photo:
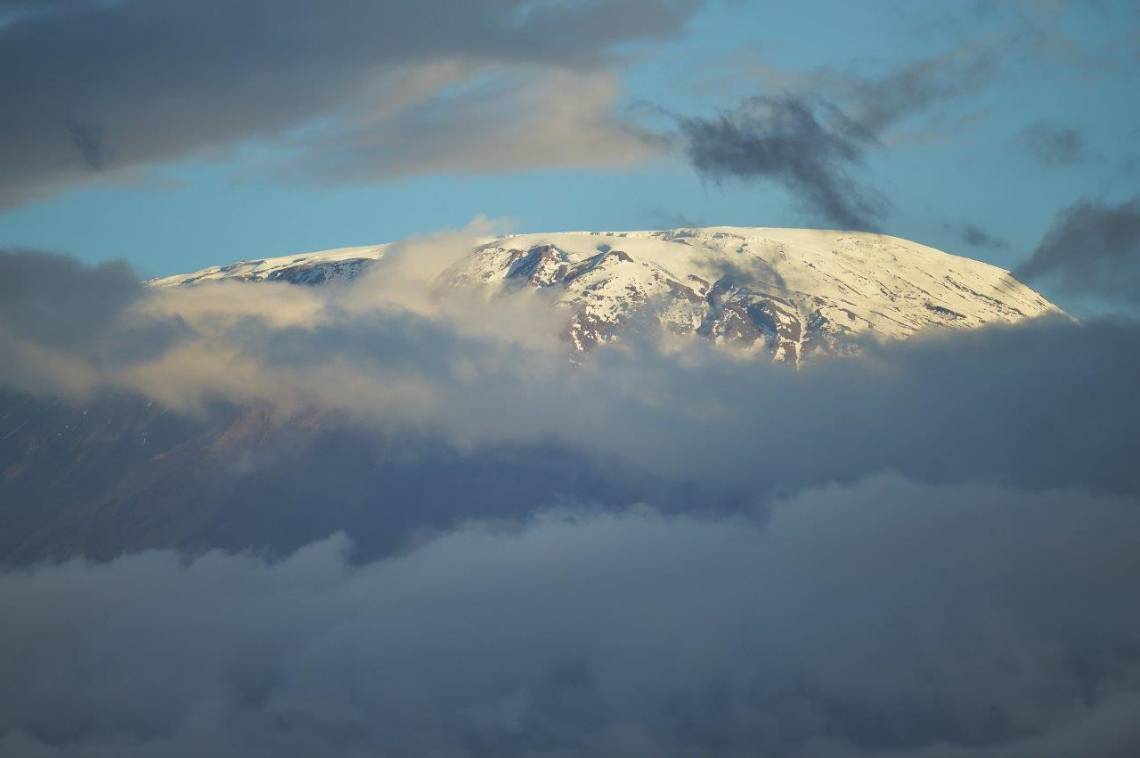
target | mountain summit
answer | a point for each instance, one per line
(785, 293)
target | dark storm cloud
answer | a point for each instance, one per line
(882, 618)
(1091, 252)
(1052, 144)
(114, 85)
(808, 147)
(975, 236)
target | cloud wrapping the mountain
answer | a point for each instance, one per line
(1041, 404)
(96, 89)
(882, 618)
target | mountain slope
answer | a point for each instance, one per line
(781, 292)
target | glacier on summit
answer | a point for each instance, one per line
(783, 293)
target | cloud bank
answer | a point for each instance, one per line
(886, 618)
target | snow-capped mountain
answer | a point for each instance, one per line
(781, 292)
(123, 471)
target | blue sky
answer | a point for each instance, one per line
(962, 160)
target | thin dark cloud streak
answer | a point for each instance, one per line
(814, 138)
(977, 237)
(90, 144)
(1052, 144)
(784, 139)
(920, 86)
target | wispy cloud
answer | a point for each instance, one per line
(789, 141)
(1052, 144)
(547, 118)
(814, 137)
(975, 236)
